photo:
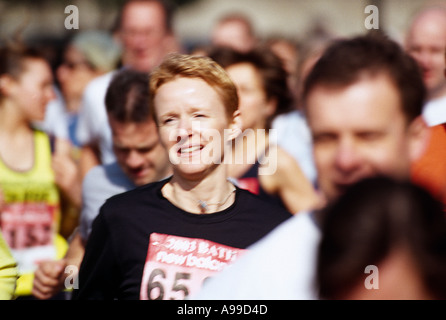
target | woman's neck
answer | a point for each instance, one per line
(211, 194)
(16, 139)
(11, 120)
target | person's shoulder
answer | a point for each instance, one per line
(96, 88)
(253, 202)
(284, 158)
(134, 196)
(110, 173)
(289, 119)
(100, 81)
(93, 97)
(96, 175)
(95, 171)
(434, 111)
(117, 208)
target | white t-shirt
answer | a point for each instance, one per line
(100, 183)
(294, 136)
(434, 112)
(280, 266)
(93, 126)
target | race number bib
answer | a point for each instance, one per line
(28, 230)
(177, 266)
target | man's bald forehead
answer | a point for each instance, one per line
(429, 15)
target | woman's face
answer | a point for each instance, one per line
(192, 122)
(254, 105)
(74, 73)
(33, 89)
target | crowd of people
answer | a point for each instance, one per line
(156, 172)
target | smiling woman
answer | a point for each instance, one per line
(189, 116)
(164, 239)
(195, 105)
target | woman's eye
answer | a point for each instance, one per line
(167, 121)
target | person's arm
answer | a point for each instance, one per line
(50, 276)
(291, 184)
(89, 158)
(66, 170)
(8, 271)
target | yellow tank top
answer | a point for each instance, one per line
(30, 217)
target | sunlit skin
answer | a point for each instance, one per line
(139, 151)
(283, 175)
(195, 129)
(24, 100)
(234, 34)
(32, 90)
(426, 42)
(189, 111)
(254, 104)
(143, 35)
(375, 137)
(73, 75)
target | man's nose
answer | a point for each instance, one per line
(134, 159)
(424, 59)
(347, 156)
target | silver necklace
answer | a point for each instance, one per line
(204, 206)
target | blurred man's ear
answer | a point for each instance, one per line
(419, 138)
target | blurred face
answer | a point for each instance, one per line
(139, 151)
(192, 122)
(33, 89)
(233, 34)
(358, 131)
(427, 43)
(253, 103)
(289, 55)
(74, 73)
(143, 35)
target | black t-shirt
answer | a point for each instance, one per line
(116, 251)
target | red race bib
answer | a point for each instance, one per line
(176, 267)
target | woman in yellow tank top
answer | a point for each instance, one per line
(29, 219)
(8, 271)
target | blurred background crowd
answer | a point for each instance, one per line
(194, 19)
(296, 30)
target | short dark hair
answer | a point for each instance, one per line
(13, 57)
(347, 60)
(271, 69)
(127, 97)
(375, 216)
